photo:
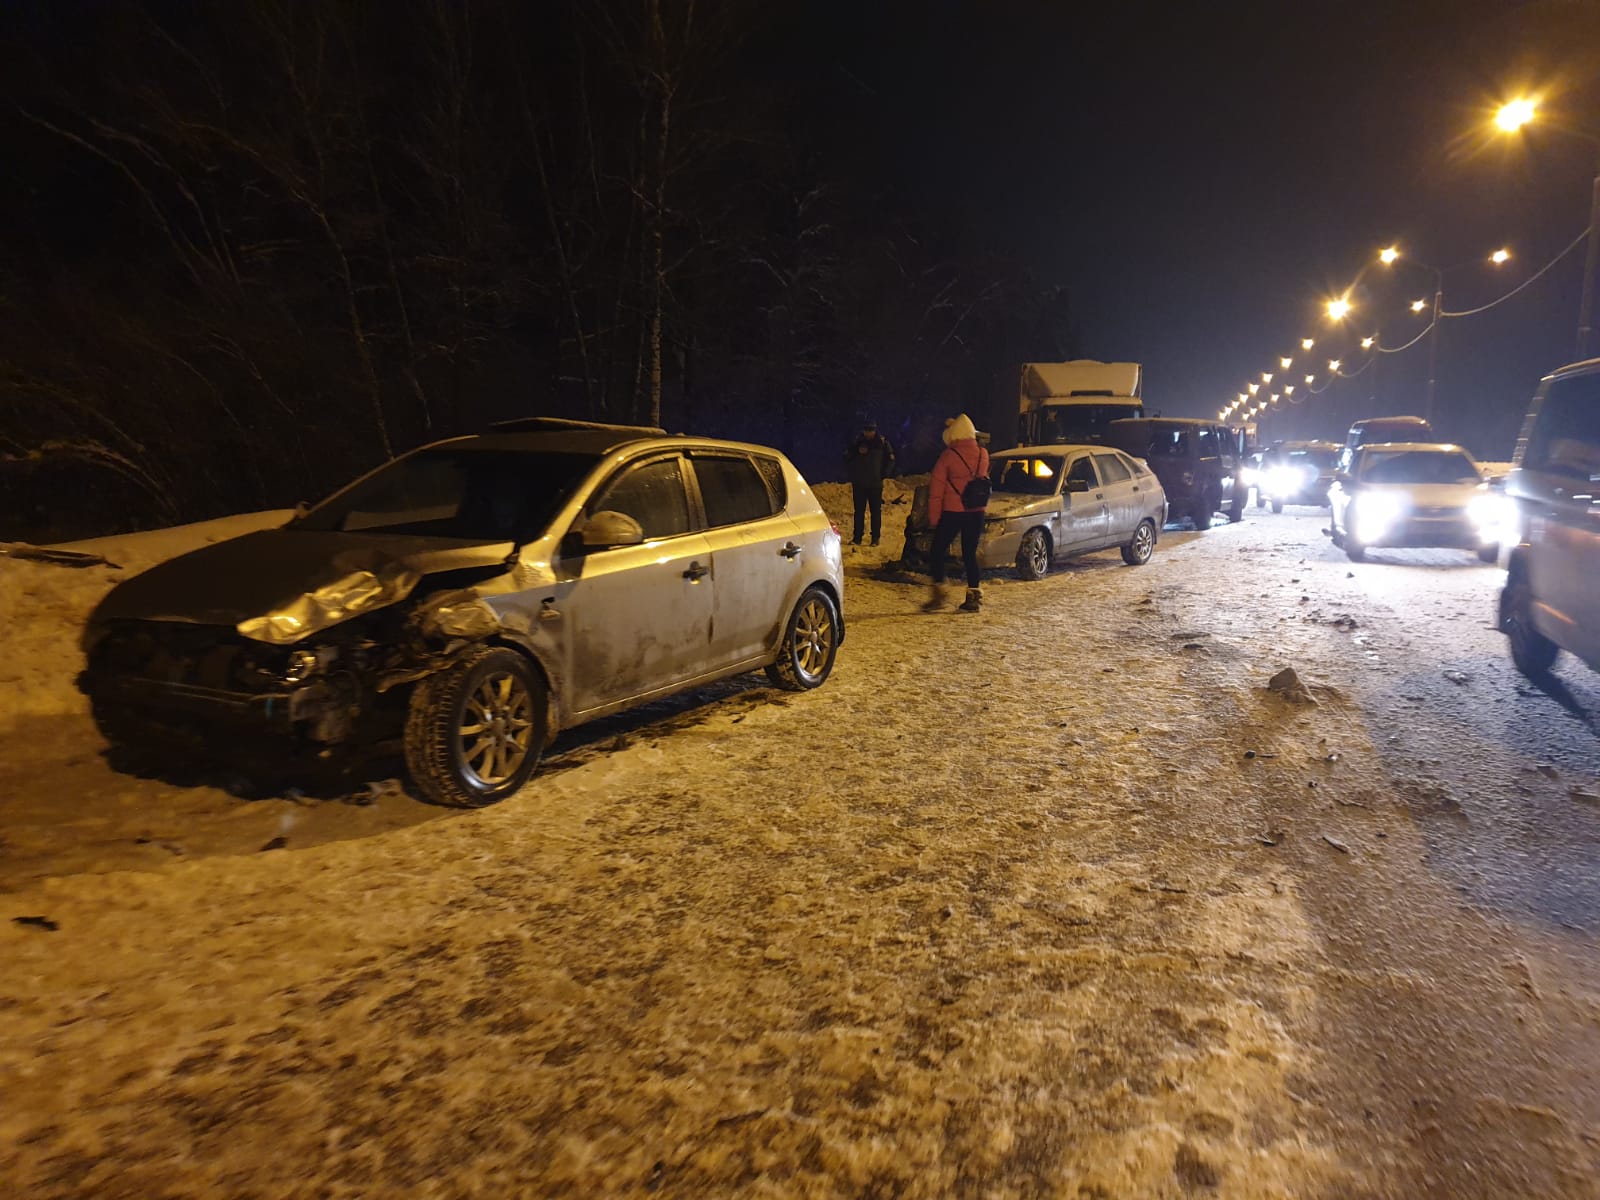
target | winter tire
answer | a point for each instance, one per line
(476, 730)
(1236, 509)
(1533, 653)
(1141, 545)
(1033, 556)
(1202, 513)
(1489, 554)
(1277, 506)
(810, 643)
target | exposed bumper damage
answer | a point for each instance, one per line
(339, 679)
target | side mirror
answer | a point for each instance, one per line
(1077, 485)
(609, 528)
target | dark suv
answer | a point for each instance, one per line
(1549, 602)
(1198, 463)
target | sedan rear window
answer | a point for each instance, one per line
(1027, 476)
(471, 495)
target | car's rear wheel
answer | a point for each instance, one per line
(1141, 545)
(1033, 555)
(1533, 653)
(476, 730)
(1277, 506)
(1236, 508)
(1489, 554)
(810, 643)
(1203, 510)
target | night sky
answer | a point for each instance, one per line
(218, 292)
(1202, 176)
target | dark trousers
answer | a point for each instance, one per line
(969, 525)
(865, 495)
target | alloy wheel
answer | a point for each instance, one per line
(496, 731)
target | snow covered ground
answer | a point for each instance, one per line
(1053, 900)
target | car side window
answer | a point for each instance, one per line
(1566, 436)
(1112, 469)
(772, 472)
(652, 493)
(732, 489)
(1083, 469)
(1208, 443)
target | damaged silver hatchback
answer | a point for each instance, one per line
(471, 599)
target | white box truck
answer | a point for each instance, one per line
(1068, 403)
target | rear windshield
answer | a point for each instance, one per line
(472, 495)
(1027, 476)
(1417, 466)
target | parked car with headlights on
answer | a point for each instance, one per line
(1050, 503)
(1297, 473)
(1414, 494)
(472, 598)
(1550, 601)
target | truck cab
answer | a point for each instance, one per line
(1073, 403)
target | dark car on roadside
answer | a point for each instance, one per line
(1297, 473)
(465, 602)
(1199, 464)
(1551, 602)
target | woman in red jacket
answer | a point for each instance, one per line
(961, 461)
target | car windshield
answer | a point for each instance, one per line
(1418, 466)
(1323, 460)
(1027, 476)
(453, 492)
(1069, 424)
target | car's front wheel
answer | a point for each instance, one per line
(476, 730)
(1033, 555)
(1489, 554)
(1277, 506)
(1533, 653)
(810, 643)
(1204, 509)
(1236, 508)
(1141, 545)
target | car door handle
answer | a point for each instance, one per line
(696, 572)
(790, 550)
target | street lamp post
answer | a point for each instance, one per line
(1511, 117)
(1388, 257)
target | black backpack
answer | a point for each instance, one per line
(976, 493)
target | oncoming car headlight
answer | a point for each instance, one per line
(1375, 514)
(1492, 515)
(1283, 481)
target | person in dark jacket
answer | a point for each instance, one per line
(962, 461)
(868, 461)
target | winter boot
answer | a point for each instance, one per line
(974, 600)
(937, 598)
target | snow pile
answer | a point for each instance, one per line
(43, 607)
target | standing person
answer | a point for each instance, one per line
(868, 461)
(954, 508)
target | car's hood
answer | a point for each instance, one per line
(1010, 504)
(267, 572)
(1427, 495)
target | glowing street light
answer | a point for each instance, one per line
(1306, 343)
(1288, 389)
(1418, 305)
(1285, 363)
(1274, 397)
(1333, 364)
(1338, 310)
(1254, 388)
(1514, 114)
(1388, 254)
(1266, 377)
(1311, 378)
(1499, 256)
(1366, 343)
